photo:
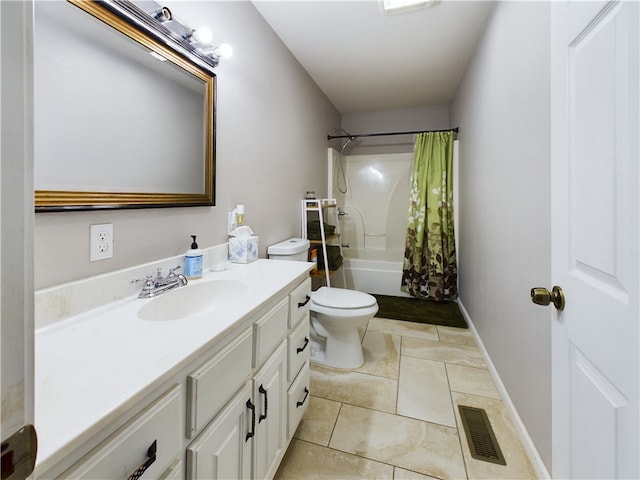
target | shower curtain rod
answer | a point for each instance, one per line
(357, 135)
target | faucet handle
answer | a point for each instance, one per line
(149, 284)
(172, 271)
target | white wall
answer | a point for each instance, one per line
(502, 109)
(400, 120)
(272, 122)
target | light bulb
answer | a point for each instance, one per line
(224, 50)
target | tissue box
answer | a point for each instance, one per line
(243, 250)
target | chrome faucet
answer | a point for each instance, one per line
(154, 287)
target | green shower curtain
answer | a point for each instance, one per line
(430, 267)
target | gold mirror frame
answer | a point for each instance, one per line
(62, 200)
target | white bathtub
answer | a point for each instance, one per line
(374, 271)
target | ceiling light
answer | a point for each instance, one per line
(400, 6)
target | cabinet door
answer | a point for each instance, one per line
(269, 393)
(223, 449)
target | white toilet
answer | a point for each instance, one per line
(336, 314)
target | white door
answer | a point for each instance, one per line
(595, 105)
(16, 238)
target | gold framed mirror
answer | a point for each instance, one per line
(122, 118)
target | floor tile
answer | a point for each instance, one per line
(350, 430)
(443, 352)
(423, 391)
(461, 336)
(354, 388)
(381, 354)
(476, 381)
(402, 474)
(399, 327)
(405, 442)
(518, 465)
(318, 421)
(305, 460)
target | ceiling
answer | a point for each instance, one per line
(366, 61)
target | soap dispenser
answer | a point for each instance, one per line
(193, 261)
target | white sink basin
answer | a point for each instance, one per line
(192, 300)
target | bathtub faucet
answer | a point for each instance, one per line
(341, 213)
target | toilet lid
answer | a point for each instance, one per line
(342, 298)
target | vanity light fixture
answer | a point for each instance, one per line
(199, 39)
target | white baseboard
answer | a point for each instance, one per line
(530, 448)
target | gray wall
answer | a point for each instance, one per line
(400, 120)
(272, 122)
(502, 108)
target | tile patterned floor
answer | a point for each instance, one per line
(396, 417)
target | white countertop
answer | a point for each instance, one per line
(89, 369)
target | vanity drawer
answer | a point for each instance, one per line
(214, 383)
(298, 342)
(129, 448)
(299, 302)
(269, 331)
(298, 399)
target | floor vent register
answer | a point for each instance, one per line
(482, 441)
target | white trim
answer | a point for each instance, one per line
(527, 442)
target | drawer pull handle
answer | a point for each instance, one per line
(151, 457)
(251, 407)
(263, 392)
(302, 304)
(306, 394)
(301, 349)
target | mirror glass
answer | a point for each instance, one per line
(121, 119)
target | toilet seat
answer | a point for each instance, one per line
(342, 299)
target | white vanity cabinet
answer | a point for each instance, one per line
(227, 410)
(249, 436)
(149, 445)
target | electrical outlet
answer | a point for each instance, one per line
(100, 241)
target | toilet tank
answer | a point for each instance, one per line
(296, 249)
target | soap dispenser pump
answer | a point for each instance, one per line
(193, 261)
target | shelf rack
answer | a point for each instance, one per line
(318, 206)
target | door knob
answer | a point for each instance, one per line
(542, 296)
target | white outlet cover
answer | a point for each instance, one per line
(100, 241)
